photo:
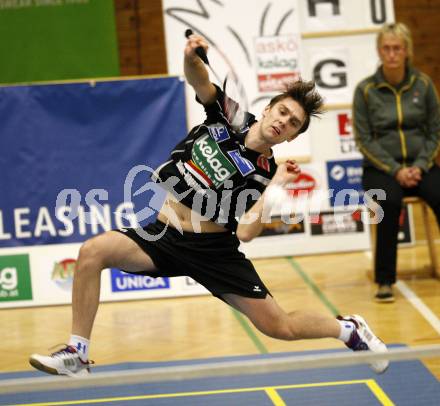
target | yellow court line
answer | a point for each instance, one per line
(275, 397)
(371, 384)
(379, 393)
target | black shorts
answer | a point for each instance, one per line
(211, 259)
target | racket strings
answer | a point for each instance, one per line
(235, 101)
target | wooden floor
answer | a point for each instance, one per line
(200, 327)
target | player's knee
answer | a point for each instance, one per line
(289, 332)
(92, 252)
(280, 328)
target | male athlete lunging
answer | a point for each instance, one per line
(214, 176)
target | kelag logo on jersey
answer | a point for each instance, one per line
(218, 132)
(213, 165)
(123, 282)
(243, 164)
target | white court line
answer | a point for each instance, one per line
(424, 310)
(410, 295)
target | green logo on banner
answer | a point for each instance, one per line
(15, 278)
(208, 156)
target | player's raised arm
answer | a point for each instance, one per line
(195, 70)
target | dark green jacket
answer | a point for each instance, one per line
(396, 127)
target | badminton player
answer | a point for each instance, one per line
(216, 180)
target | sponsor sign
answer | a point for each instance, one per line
(189, 285)
(211, 161)
(347, 143)
(124, 282)
(303, 184)
(190, 282)
(62, 273)
(330, 71)
(15, 278)
(331, 15)
(280, 226)
(336, 222)
(345, 182)
(277, 61)
(80, 201)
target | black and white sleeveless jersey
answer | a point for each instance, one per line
(212, 172)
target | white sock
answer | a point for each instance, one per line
(82, 346)
(347, 328)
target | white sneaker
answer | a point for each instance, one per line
(363, 339)
(63, 362)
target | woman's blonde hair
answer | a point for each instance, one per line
(401, 31)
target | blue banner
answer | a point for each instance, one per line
(345, 182)
(76, 158)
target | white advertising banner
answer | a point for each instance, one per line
(335, 15)
(331, 73)
(308, 224)
(258, 40)
(338, 69)
(332, 136)
(277, 62)
(265, 43)
(40, 276)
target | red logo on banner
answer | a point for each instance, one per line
(344, 124)
(304, 183)
(357, 215)
(263, 163)
(276, 82)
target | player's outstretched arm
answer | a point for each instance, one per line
(195, 70)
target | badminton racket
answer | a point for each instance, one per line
(235, 100)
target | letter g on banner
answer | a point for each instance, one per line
(339, 77)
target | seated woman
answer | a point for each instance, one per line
(397, 129)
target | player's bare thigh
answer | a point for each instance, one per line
(113, 249)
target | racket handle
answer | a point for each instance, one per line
(199, 50)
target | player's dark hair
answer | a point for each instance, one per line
(305, 94)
